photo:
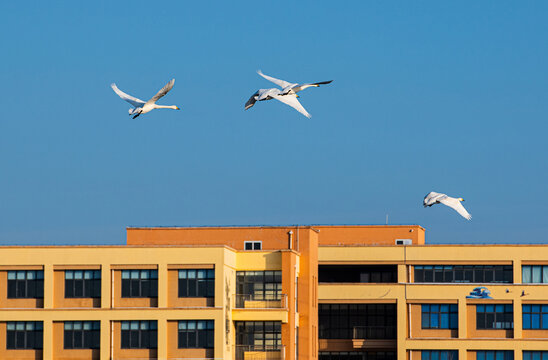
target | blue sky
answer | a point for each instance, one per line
(427, 96)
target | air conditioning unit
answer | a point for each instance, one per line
(404, 242)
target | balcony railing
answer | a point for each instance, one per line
(374, 332)
(251, 301)
(254, 352)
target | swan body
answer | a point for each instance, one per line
(287, 94)
(143, 107)
(433, 198)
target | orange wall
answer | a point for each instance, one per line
(307, 296)
(371, 235)
(289, 261)
(120, 353)
(274, 238)
(418, 332)
(15, 303)
(173, 350)
(59, 299)
(61, 354)
(119, 301)
(15, 354)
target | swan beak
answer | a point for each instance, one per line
(297, 95)
(178, 108)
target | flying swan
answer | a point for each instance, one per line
(142, 107)
(454, 203)
(287, 95)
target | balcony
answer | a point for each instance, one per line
(369, 337)
(252, 352)
(251, 301)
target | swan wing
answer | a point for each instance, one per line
(305, 86)
(433, 198)
(252, 100)
(456, 205)
(294, 103)
(281, 83)
(163, 91)
(130, 99)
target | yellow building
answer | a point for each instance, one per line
(312, 292)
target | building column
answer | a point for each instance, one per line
(106, 284)
(162, 337)
(47, 348)
(106, 329)
(48, 286)
(401, 335)
(518, 319)
(463, 331)
(517, 271)
(402, 274)
(162, 286)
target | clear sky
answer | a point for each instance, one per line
(427, 96)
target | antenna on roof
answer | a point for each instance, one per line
(386, 219)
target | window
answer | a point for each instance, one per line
(440, 316)
(535, 316)
(358, 273)
(24, 335)
(139, 334)
(464, 273)
(25, 284)
(82, 334)
(196, 334)
(253, 245)
(82, 283)
(197, 283)
(439, 355)
(258, 285)
(497, 316)
(495, 355)
(360, 321)
(139, 283)
(259, 335)
(535, 355)
(534, 274)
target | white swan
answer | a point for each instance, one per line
(142, 107)
(287, 95)
(454, 203)
(273, 93)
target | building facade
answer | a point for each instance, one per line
(243, 293)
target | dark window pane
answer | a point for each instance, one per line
(126, 288)
(68, 339)
(20, 339)
(78, 288)
(125, 339)
(38, 339)
(96, 288)
(39, 288)
(12, 289)
(69, 291)
(78, 339)
(10, 340)
(134, 339)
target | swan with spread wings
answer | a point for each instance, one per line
(142, 107)
(287, 94)
(455, 203)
